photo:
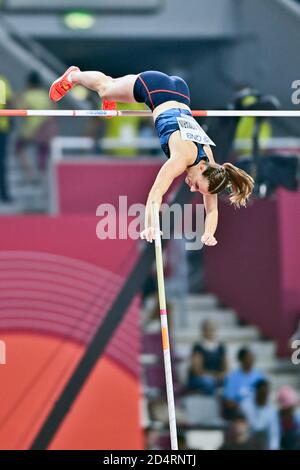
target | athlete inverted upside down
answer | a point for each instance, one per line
(183, 141)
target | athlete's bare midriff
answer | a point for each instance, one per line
(168, 105)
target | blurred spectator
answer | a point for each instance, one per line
(289, 418)
(208, 362)
(238, 435)
(243, 129)
(5, 128)
(125, 130)
(35, 132)
(93, 129)
(239, 384)
(247, 98)
(262, 417)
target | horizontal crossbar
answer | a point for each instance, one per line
(119, 113)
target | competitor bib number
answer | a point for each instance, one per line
(191, 130)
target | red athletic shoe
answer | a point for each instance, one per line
(62, 85)
(109, 105)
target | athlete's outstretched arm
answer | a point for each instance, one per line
(174, 167)
(211, 208)
(211, 220)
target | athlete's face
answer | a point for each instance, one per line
(197, 182)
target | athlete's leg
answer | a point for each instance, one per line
(108, 88)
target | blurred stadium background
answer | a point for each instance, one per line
(238, 302)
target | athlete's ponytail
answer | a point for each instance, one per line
(229, 176)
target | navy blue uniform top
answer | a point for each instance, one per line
(166, 124)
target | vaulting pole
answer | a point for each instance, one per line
(164, 328)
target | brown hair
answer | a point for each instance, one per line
(229, 176)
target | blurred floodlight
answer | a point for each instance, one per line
(79, 20)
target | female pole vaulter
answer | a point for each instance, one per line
(183, 141)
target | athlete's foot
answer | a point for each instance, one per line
(62, 85)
